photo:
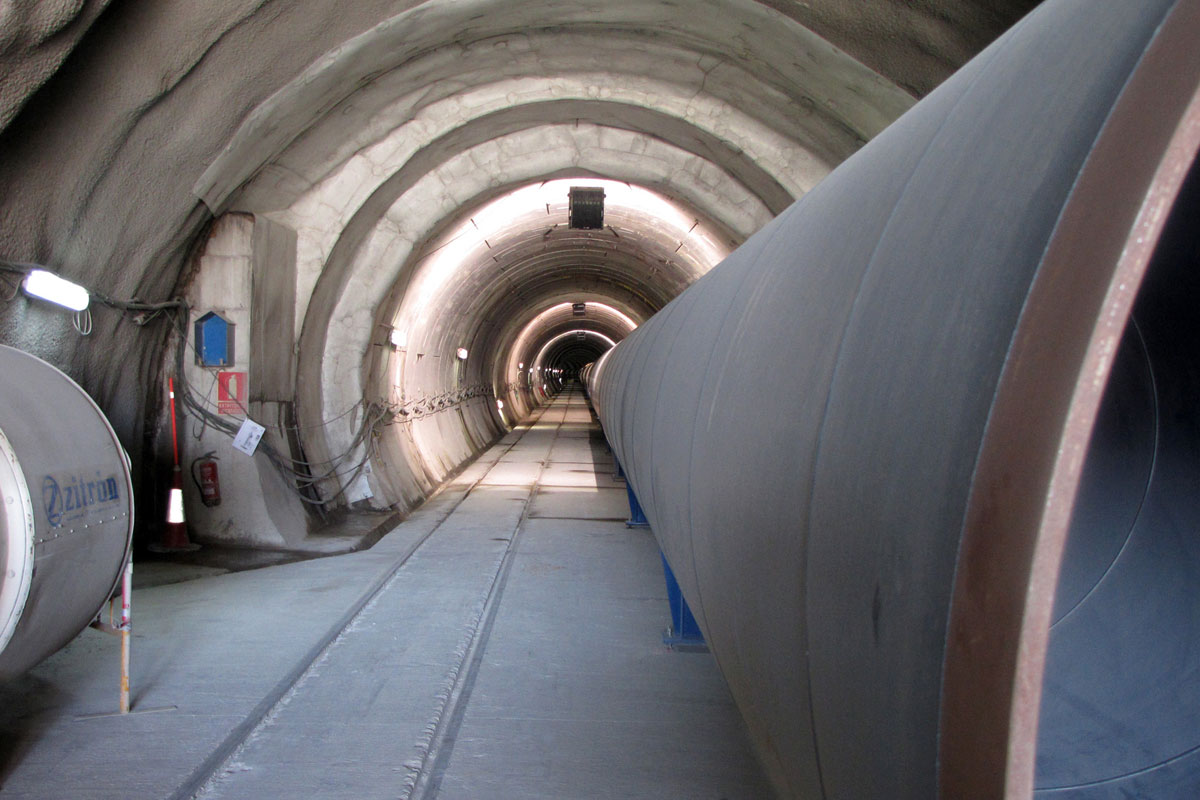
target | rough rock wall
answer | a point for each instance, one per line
(917, 44)
(35, 37)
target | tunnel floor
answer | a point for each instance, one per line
(502, 642)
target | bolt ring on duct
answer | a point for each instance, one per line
(873, 551)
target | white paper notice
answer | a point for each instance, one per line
(248, 437)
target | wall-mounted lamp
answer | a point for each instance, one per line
(521, 365)
(500, 404)
(462, 353)
(398, 338)
(48, 286)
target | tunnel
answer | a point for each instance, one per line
(887, 307)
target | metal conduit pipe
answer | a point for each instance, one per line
(66, 523)
(863, 440)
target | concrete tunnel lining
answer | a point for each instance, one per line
(383, 247)
(225, 59)
(487, 127)
(469, 289)
(327, 247)
(124, 200)
(859, 99)
(771, 165)
(519, 337)
(125, 174)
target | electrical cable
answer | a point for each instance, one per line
(298, 473)
(297, 479)
(82, 321)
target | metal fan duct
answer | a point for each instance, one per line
(859, 439)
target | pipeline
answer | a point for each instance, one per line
(867, 441)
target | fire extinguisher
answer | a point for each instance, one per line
(207, 479)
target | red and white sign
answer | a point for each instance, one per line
(231, 393)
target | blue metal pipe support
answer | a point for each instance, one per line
(637, 517)
(685, 633)
(872, 422)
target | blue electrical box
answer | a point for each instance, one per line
(214, 341)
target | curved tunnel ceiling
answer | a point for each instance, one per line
(373, 131)
(496, 268)
(373, 151)
(441, 63)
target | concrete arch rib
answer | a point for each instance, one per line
(329, 240)
(771, 48)
(363, 175)
(740, 198)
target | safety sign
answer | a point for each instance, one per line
(231, 393)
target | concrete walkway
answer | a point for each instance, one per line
(502, 642)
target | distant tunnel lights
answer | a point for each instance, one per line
(399, 338)
(48, 286)
(462, 353)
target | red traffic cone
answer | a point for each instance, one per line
(174, 536)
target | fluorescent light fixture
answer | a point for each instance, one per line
(500, 404)
(48, 286)
(462, 353)
(399, 338)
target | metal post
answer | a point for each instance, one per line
(126, 633)
(123, 629)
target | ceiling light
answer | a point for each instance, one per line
(462, 353)
(48, 286)
(399, 338)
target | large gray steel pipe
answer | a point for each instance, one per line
(67, 518)
(859, 440)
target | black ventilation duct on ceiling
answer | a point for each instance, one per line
(586, 208)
